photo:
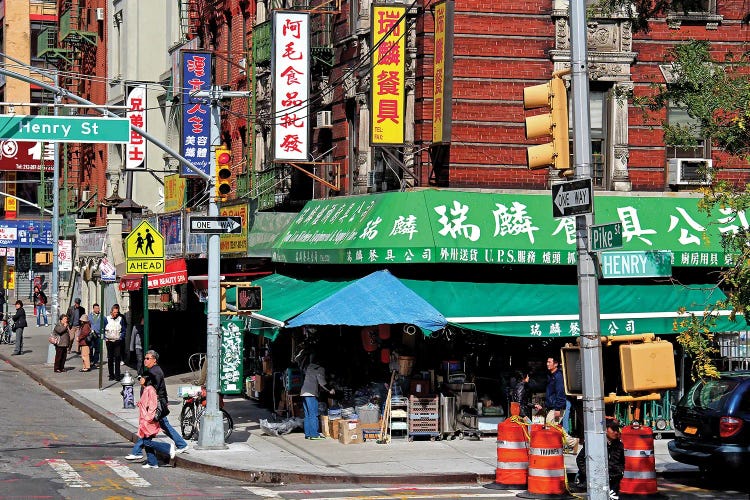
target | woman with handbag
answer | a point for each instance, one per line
(83, 342)
(19, 323)
(148, 423)
(60, 337)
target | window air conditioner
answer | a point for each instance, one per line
(685, 171)
(85, 194)
(324, 119)
(100, 14)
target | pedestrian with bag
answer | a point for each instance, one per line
(74, 318)
(150, 361)
(85, 338)
(96, 327)
(60, 338)
(114, 335)
(555, 402)
(148, 423)
(19, 323)
(40, 300)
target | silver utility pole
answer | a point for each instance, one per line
(212, 422)
(597, 479)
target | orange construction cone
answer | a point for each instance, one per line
(546, 477)
(512, 455)
(639, 478)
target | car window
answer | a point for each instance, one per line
(708, 394)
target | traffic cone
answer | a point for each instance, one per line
(546, 475)
(639, 478)
(512, 455)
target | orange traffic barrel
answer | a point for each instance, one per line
(512, 455)
(546, 475)
(639, 478)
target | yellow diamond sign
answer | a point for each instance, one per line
(144, 250)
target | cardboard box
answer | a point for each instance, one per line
(324, 429)
(333, 428)
(349, 432)
(370, 431)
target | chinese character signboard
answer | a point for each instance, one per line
(25, 156)
(25, 233)
(234, 243)
(388, 73)
(230, 361)
(441, 226)
(174, 192)
(136, 148)
(196, 115)
(11, 204)
(291, 83)
(442, 85)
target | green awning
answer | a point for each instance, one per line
(469, 227)
(531, 310)
(265, 227)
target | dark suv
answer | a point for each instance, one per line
(712, 424)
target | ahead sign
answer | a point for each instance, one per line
(216, 225)
(572, 198)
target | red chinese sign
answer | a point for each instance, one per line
(388, 74)
(136, 148)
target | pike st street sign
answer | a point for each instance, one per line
(572, 198)
(216, 225)
(94, 129)
(605, 236)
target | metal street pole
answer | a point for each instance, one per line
(597, 479)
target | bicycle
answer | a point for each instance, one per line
(6, 331)
(193, 406)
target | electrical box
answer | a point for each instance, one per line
(647, 367)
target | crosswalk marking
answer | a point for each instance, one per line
(67, 473)
(127, 474)
(262, 492)
(387, 493)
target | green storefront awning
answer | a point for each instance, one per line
(443, 226)
(532, 310)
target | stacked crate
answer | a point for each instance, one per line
(423, 417)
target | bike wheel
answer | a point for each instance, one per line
(228, 424)
(188, 421)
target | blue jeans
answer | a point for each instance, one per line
(41, 311)
(152, 446)
(310, 405)
(566, 417)
(172, 434)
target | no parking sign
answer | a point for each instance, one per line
(65, 255)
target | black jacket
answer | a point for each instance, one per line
(522, 395)
(19, 319)
(159, 384)
(615, 463)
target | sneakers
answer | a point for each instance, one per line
(316, 438)
(180, 450)
(149, 466)
(613, 495)
(172, 451)
(133, 457)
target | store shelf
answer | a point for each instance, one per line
(423, 417)
(399, 418)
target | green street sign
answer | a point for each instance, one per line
(652, 264)
(65, 129)
(605, 237)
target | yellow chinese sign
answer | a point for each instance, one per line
(442, 87)
(11, 204)
(388, 73)
(235, 243)
(174, 192)
(144, 250)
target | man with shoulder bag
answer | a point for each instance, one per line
(114, 335)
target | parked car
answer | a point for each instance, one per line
(712, 424)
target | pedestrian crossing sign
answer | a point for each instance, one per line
(144, 250)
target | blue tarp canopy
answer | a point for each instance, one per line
(378, 298)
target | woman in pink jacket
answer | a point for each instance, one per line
(148, 428)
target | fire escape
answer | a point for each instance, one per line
(278, 185)
(72, 50)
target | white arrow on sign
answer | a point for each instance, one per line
(574, 198)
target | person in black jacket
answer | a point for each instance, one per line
(19, 323)
(151, 362)
(615, 459)
(521, 394)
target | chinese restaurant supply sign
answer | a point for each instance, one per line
(195, 142)
(25, 156)
(442, 86)
(388, 72)
(136, 147)
(291, 84)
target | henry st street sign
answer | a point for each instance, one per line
(572, 198)
(216, 225)
(605, 236)
(65, 128)
(651, 264)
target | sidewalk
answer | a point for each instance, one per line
(255, 457)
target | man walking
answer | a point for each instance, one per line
(150, 361)
(74, 317)
(554, 400)
(19, 323)
(114, 335)
(96, 327)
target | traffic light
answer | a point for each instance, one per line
(239, 298)
(554, 154)
(223, 173)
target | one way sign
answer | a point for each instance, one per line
(216, 225)
(572, 198)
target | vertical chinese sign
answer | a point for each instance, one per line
(291, 84)
(388, 73)
(136, 148)
(11, 204)
(442, 85)
(196, 117)
(174, 193)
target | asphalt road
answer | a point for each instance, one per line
(49, 449)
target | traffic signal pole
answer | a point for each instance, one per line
(597, 478)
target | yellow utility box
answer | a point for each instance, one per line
(647, 367)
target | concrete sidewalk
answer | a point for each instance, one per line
(255, 457)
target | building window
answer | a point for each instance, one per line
(598, 126)
(683, 135)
